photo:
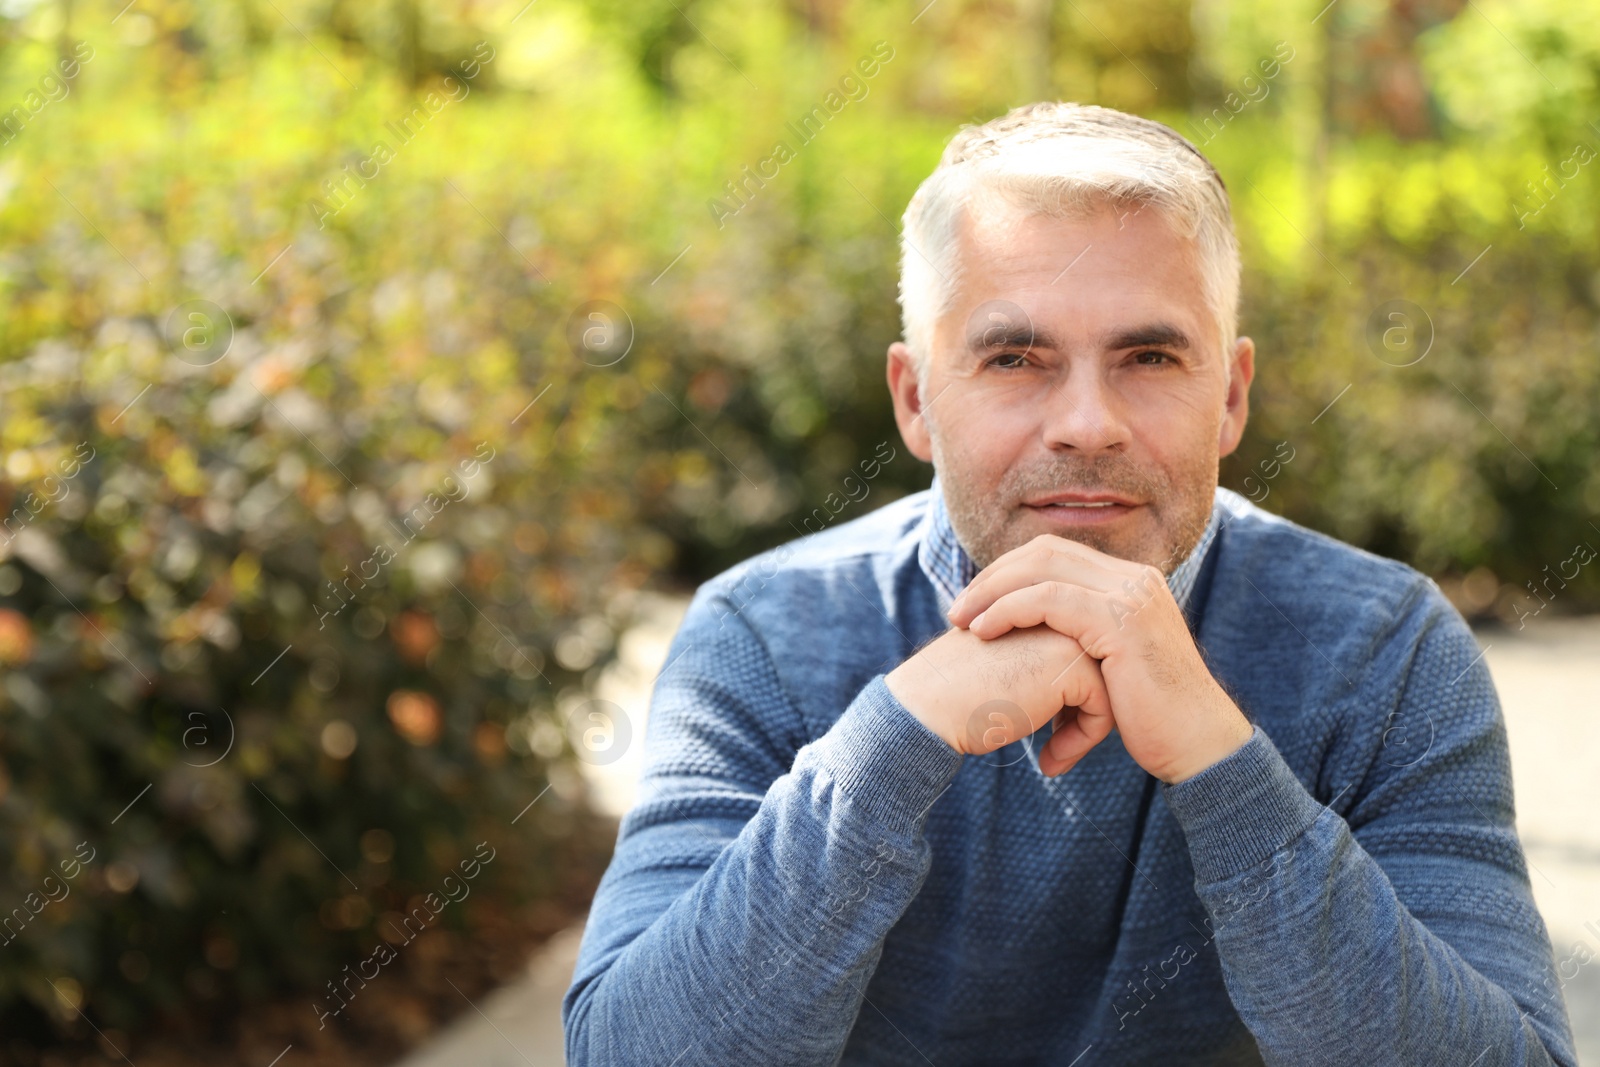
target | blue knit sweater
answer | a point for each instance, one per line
(810, 876)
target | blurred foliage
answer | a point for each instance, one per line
(401, 216)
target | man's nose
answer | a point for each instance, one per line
(1085, 413)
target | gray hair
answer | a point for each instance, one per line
(1062, 160)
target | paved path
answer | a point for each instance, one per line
(1549, 683)
(518, 1025)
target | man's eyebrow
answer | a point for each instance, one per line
(1028, 335)
(1010, 335)
(1159, 334)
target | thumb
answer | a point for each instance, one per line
(1079, 727)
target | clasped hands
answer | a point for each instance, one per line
(1055, 631)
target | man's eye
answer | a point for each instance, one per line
(1153, 358)
(998, 361)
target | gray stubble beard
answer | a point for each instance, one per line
(987, 534)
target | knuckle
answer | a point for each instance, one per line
(1066, 643)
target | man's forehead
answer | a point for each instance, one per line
(1010, 286)
(990, 228)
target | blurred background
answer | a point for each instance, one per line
(377, 378)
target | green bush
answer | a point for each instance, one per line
(275, 707)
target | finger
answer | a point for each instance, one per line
(1083, 687)
(1068, 745)
(1063, 606)
(1085, 719)
(1043, 559)
(1088, 718)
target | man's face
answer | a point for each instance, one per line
(1079, 361)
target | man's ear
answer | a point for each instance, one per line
(902, 373)
(1237, 409)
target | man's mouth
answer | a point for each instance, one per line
(1079, 508)
(1081, 500)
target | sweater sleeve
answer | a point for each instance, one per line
(755, 878)
(1404, 932)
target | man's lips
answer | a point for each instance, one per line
(1082, 509)
(1086, 499)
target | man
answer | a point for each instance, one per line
(1287, 835)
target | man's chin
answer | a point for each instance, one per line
(1115, 530)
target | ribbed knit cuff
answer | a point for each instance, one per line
(1241, 809)
(885, 760)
